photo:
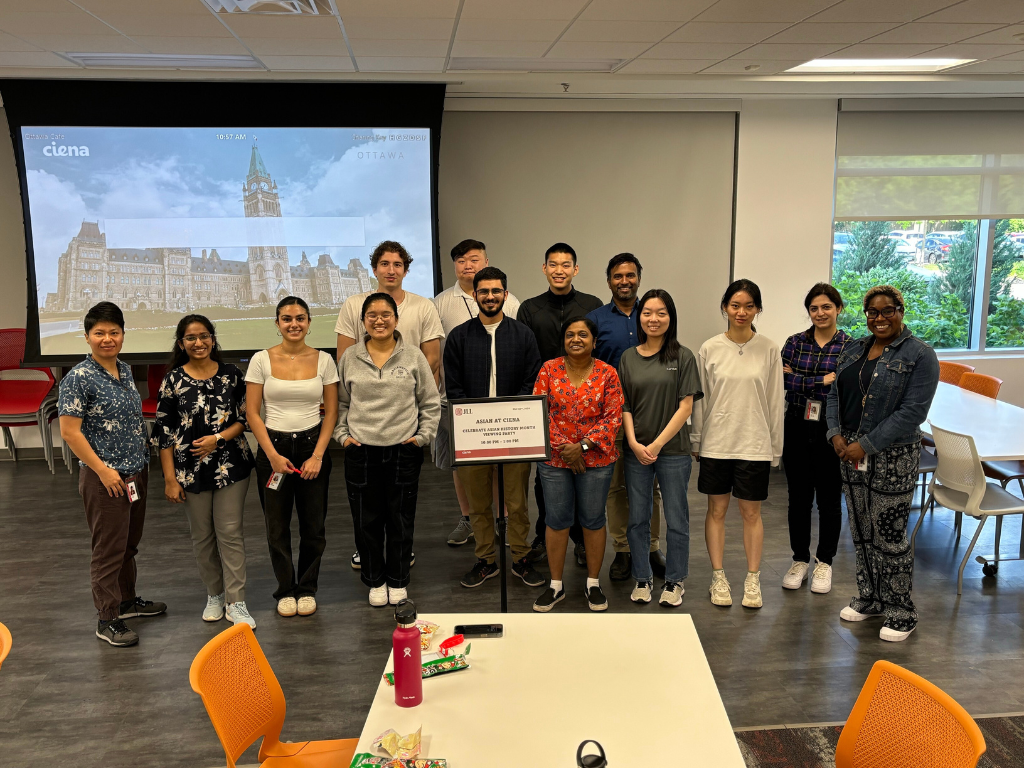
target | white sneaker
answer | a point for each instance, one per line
(641, 592)
(307, 605)
(894, 635)
(378, 596)
(672, 594)
(849, 614)
(821, 579)
(237, 612)
(752, 590)
(795, 576)
(214, 608)
(287, 606)
(721, 592)
(397, 595)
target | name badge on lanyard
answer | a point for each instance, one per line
(812, 411)
(133, 491)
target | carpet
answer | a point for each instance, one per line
(816, 747)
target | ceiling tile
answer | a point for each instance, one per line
(300, 27)
(33, 59)
(881, 51)
(167, 24)
(831, 32)
(104, 8)
(11, 43)
(790, 51)
(619, 31)
(738, 67)
(982, 11)
(41, 6)
(420, 9)
(387, 28)
(1001, 67)
(522, 9)
(563, 50)
(764, 10)
(532, 49)
(973, 51)
(308, 63)
(509, 29)
(648, 10)
(217, 46)
(926, 32)
(882, 10)
(69, 22)
(399, 47)
(716, 51)
(87, 43)
(1013, 57)
(400, 64)
(716, 32)
(290, 46)
(1001, 36)
(666, 66)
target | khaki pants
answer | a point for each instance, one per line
(618, 505)
(478, 482)
(215, 520)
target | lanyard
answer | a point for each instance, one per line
(471, 315)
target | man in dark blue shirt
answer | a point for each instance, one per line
(616, 332)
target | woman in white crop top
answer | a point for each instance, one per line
(293, 465)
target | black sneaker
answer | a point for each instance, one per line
(548, 600)
(117, 633)
(596, 599)
(525, 571)
(581, 555)
(622, 567)
(481, 572)
(538, 551)
(131, 609)
(658, 564)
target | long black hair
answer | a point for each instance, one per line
(178, 355)
(670, 345)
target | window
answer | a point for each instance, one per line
(1004, 323)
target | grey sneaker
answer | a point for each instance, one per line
(463, 532)
(641, 592)
(672, 594)
(752, 590)
(214, 608)
(238, 613)
(116, 633)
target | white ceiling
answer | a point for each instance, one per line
(664, 41)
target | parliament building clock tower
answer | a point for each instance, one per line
(270, 275)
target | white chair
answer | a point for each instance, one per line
(959, 484)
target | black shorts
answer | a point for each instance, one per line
(747, 480)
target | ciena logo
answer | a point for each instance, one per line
(63, 151)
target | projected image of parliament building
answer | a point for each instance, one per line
(177, 280)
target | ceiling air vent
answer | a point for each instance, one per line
(493, 64)
(286, 7)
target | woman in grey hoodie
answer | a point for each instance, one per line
(388, 409)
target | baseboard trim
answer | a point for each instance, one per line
(28, 454)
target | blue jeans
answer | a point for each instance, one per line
(566, 493)
(673, 473)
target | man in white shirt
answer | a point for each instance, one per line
(417, 318)
(455, 306)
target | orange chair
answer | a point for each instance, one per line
(5, 643)
(951, 372)
(245, 701)
(981, 383)
(902, 719)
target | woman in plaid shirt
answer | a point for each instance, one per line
(812, 468)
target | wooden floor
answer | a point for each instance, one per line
(68, 699)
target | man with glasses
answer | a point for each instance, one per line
(493, 355)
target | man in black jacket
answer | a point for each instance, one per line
(494, 356)
(544, 315)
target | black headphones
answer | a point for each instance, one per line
(591, 761)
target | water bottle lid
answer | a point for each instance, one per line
(405, 613)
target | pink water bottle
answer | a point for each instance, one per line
(408, 668)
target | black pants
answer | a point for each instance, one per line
(383, 482)
(575, 530)
(812, 470)
(309, 498)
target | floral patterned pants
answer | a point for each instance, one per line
(878, 502)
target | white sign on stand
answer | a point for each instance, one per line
(499, 430)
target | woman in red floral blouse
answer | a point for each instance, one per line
(584, 414)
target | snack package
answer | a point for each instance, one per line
(434, 667)
(427, 630)
(366, 760)
(402, 747)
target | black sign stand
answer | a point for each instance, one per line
(502, 526)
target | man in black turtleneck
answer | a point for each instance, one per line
(544, 315)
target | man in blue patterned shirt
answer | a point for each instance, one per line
(101, 420)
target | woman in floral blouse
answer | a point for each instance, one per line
(206, 461)
(584, 415)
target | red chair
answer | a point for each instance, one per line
(154, 378)
(27, 395)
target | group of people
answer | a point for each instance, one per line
(630, 409)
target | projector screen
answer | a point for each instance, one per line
(225, 220)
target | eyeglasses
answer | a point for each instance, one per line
(200, 337)
(886, 312)
(490, 292)
(385, 316)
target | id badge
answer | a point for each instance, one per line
(862, 465)
(133, 492)
(275, 481)
(812, 412)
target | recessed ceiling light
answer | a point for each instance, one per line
(163, 61)
(853, 66)
(314, 7)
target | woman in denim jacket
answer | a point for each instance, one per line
(885, 385)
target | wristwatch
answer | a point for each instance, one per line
(221, 442)
(584, 446)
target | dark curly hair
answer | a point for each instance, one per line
(390, 246)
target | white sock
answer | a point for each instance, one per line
(556, 586)
(593, 582)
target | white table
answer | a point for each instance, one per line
(997, 427)
(640, 685)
